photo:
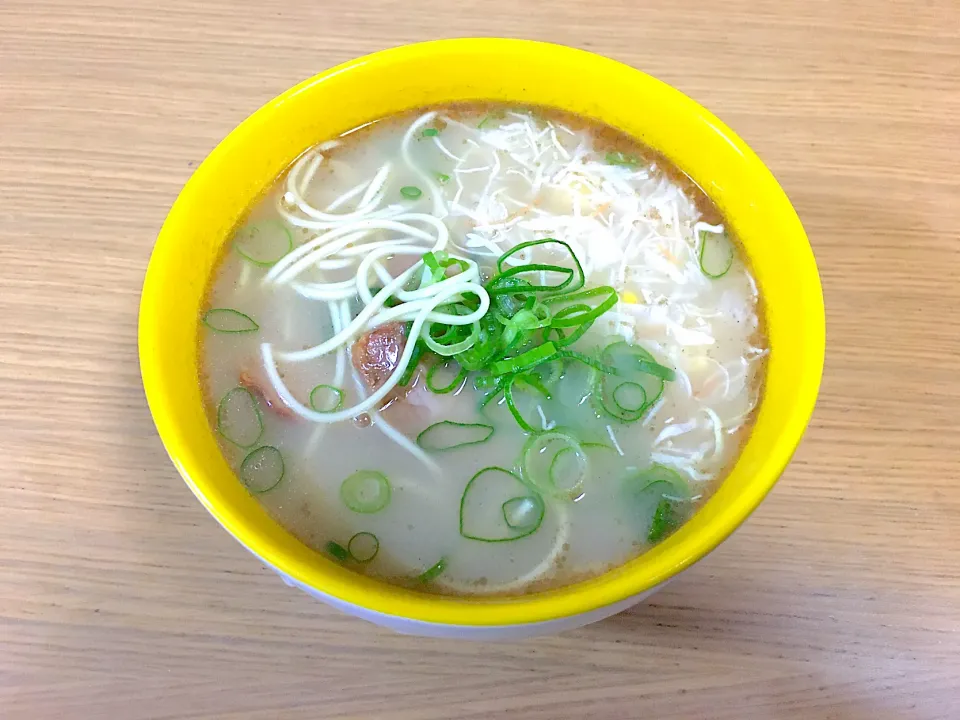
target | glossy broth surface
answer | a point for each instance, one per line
(491, 178)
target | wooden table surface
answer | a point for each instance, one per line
(121, 598)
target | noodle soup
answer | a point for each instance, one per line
(482, 349)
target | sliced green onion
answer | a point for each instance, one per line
(483, 382)
(434, 571)
(588, 361)
(239, 419)
(366, 491)
(542, 462)
(484, 507)
(629, 397)
(582, 313)
(502, 291)
(484, 121)
(619, 158)
(431, 261)
(485, 348)
(598, 445)
(435, 438)
(665, 520)
(636, 366)
(716, 254)
(655, 368)
(490, 397)
(525, 361)
(363, 547)
(228, 320)
(262, 469)
(411, 191)
(533, 382)
(431, 132)
(524, 512)
(538, 316)
(561, 340)
(550, 371)
(442, 179)
(414, 363)
(263, 243)
(568, 471)
(512, 406)
(332, 404)
(664, 478)
(454, 348)
(665, 490)
(452, 385)
(338, 551)
(574, 275)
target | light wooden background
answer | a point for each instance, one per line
(121, 598)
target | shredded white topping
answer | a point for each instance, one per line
(520, 178)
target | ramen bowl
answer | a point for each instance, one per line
(240, 168)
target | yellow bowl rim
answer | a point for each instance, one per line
(639, 575)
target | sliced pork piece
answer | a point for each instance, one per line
(376, 354)
(261, 388)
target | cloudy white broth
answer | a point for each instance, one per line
(482, 349)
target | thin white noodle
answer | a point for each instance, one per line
(299, 259)
(539, 572)
(403, 441)
(675, 429)
(445, 151)
(294, 197)
(613, 439)
(544, 423)
(310, 172)
(347, 196)
(717, 431)
(339, 313)
(443, 296)
(377, 420)
(652, 412)
(245, 271)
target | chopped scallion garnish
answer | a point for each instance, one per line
(664, 489)
(338, 551)
(431, 132)
(262, 469)
(523, 513)
(654, 368)
(716, 254)
(326, 398)
(263, 243)
(434, 571)
(452, 385)
(411, 191)
(239, 419)
(525, 361)
(228, 320)
(619, 158)
(490, 510)
(449, 435)
(664, 520)
(554, 462)
(366, 491)
(629, 396)
(363, 547)
(618, 394)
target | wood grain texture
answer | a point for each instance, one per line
(121, 598)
